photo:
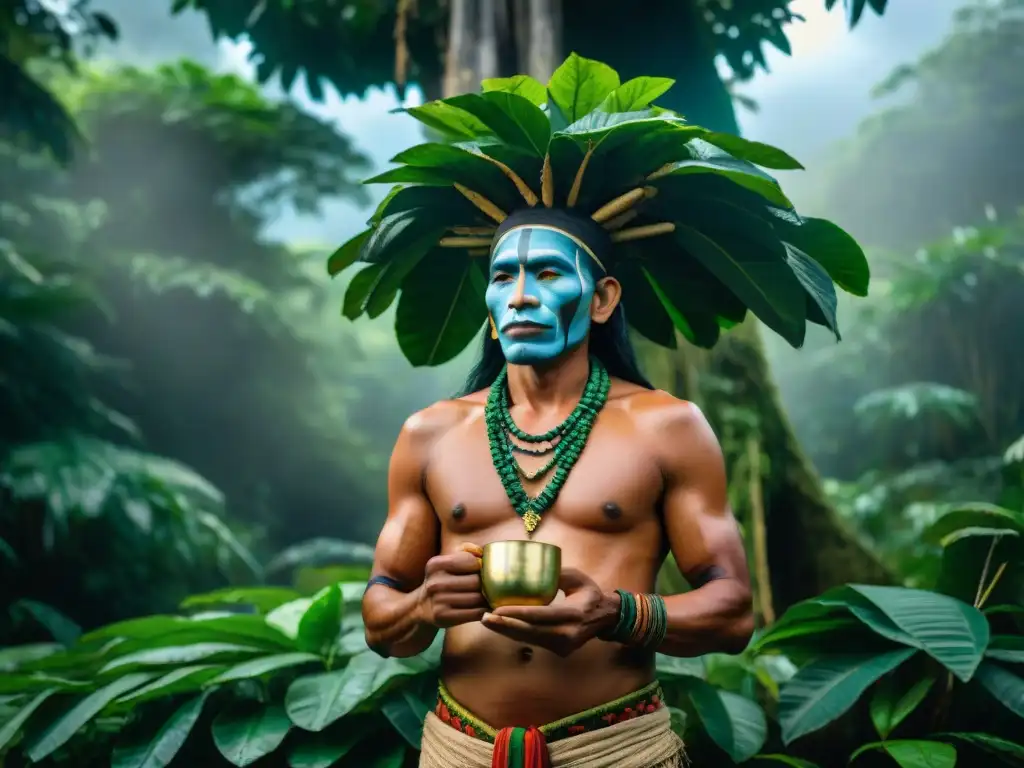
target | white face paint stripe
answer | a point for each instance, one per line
(584, 307)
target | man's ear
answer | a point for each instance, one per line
(607, 294)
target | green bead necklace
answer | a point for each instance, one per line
(571, 434)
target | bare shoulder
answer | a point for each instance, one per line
(657, 408)
(680, 434)
(426, 426)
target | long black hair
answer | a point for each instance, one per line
(609, 343)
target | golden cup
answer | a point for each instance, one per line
(520, 572)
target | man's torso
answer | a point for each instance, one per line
(606, 521)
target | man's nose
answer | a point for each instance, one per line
(520, 298)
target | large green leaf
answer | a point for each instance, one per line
(890, 707)
(636, 94)
(314, 702)
(818, 284)
(950, 631)
(642, 306)
(526, 164)
(180, 680)
(450, 164)
(670, 667)
(579, 85)
(401, 232)
(827, 687)
(12, 726)
(359, 289)
(1008, 648)
(731, 169)
(441, 308)
(347, 254)
(444, 202)
(974, 515)
(1014, 753)
(792, 762)
(680, 300)
(22, 685)
(320, 626)
(286, 618)
(411, 174)
(447, 120)
(249, 731)
(763, 283)
(156, 631)
(512, 118)
(913, 754)
(788, 631)
(1004, 686)
(406, 712)
(263, 599)
(609, 130)
(19, 655)
(734, 723)
(836, 251)
(326, 748)
(753, 151)
(521, 85)
(181, 654)
(78, 716)
(159, 750)
(265, 665)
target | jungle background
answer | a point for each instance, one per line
(184, 410)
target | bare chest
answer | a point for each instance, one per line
(614, 487)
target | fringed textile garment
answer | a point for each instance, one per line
(632, 732)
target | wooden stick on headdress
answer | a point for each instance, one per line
(482, 203)
(622, 203)
(577, 183)
(617, 222)
(528, 194)
(465, 242)
(640, 233)
(547, 183)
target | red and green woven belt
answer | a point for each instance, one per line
(520, 748)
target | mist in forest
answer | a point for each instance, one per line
(804, 104)
(225, 194)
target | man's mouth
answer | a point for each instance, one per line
(524, 328)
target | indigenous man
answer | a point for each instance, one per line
(559, 437)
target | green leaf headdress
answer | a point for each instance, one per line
(701, 234)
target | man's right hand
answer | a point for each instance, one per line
(451, 592)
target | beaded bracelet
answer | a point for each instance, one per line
(643, 620)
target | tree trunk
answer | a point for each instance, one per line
(809, 547)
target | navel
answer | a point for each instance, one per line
(458, 511)
(525, 654)
(612, 511)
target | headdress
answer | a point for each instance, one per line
(697, 232)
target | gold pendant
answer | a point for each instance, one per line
(530, 521)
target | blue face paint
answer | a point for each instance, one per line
(539, 294)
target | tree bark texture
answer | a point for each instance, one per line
(809, 547)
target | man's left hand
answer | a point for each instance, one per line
(561, 627)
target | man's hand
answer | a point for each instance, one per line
(451, 592)
(564, 626)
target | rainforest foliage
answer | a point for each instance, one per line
(193, 443)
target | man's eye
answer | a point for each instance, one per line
(501, 277)
(548, 274)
